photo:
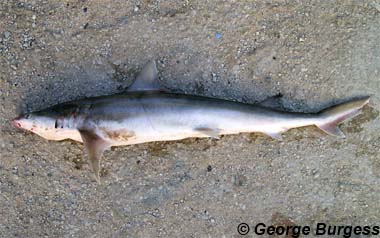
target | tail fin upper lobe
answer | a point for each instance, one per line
(332, 117)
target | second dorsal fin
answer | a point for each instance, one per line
(147, 80)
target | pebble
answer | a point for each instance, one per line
(376, 5)
(214, 77)
(7, 34)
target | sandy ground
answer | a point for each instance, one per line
(313, 55)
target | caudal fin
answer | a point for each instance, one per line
(332, 117)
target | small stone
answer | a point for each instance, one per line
(235, 69)
(376, 5)
(136, 9)
(214, 77)
(7, 34)
(34, 17)
(15, 170)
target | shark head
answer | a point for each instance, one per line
(52, 123)
(33, 121)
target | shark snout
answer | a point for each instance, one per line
(20, 121)
(16, 122)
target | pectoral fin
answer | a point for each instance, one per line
(210, 132)
(95, 147)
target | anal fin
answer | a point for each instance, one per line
(274, 135)
(332, 129)
(95, 147)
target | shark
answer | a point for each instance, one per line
(146, 112)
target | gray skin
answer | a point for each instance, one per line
(145, 114)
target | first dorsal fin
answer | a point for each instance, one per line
(147, 80)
